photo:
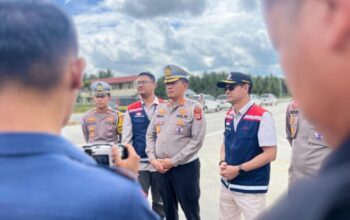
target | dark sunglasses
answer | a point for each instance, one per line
(100, 96)
(232, 87)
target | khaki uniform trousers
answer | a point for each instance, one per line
(233, 204)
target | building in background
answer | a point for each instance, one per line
(121, 87)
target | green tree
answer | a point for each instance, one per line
(104, 74)
(160, 90)
(100, 74)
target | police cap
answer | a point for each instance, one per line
(100, 87)
(173, 73)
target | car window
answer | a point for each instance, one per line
(209, 97)
(125, 101)
(195, 98)
(222, 97)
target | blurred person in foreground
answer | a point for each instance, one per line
(313, 41)
(43, 176)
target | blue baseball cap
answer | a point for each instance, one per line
(235, 78)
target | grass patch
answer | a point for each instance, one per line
(78, 108)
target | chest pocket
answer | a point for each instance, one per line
(110, 130)
(246, 131)
(140, 119)
(316, 138)
(245, 134)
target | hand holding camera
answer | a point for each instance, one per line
(119, 155)
(131, 163)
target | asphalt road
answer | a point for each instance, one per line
(209, 156)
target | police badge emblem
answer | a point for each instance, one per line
(168, 72)
(162, 112)
(180, 122)
(293, 123)
(99, 87)
(183, 112)
(318, 136)
(157, 129)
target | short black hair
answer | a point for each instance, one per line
(149, 75)
(184, 80)
(36, 38)
(250, 88)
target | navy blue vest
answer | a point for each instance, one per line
(241, 146)
(140, 122)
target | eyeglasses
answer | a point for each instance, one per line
(142, 83)
(232, 87)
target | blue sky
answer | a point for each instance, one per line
(131, 36)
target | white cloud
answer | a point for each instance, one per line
(224, 35)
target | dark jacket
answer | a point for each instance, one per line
(327, 196)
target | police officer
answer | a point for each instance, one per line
(101, 124)
(249, 147)
(136, 121)
(44, 176)
(174, 137)
(309, 148)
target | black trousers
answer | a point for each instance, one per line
(149, 180)
(181, 185)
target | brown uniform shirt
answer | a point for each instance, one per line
(308, 146)
(176, 132)
(101, 127)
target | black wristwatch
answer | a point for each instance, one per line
(221, 161)
(241, 171)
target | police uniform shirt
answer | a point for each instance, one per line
(127, 128)
(100, 127)
(176, 131)
(308, 146)
(43, 176)
(267, 130)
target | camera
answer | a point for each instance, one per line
(102, 152)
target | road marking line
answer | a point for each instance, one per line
(214, 134)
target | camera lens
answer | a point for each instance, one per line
(123, 151)
(88, 151)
